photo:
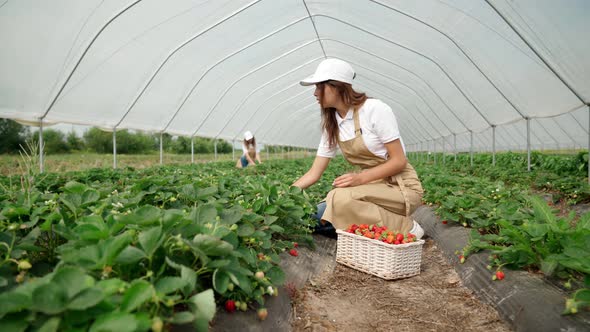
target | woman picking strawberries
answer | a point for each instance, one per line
(387, 190)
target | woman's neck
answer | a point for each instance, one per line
(342, 109)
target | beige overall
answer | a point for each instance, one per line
(390, 201)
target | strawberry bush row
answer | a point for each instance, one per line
(148, 248)
(521, 230)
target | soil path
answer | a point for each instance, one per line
(435, 300)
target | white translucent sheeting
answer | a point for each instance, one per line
(217, 68)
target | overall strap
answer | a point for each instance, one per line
(357, 124)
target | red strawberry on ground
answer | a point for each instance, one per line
(293, 252)
(230, 305)
(444, 222)
(262, 313)
(499, 275)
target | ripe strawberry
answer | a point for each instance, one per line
(444, 222)
(499, 275)
(295, 244)
(399, 237)
(293, 252)
(262, 313)
(390, 239)
(461, 259)
(230, 305)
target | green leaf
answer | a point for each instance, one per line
(50, 299)
(182, 317)
(86, 299)
(112, 247)
(246, 229)
(50, 325)
(168, 285)
(243, 282)
(204, 214)
(115, 321)
(144, 321)
(13, 324)
(536, 230)
(268, 220)
(130, 255)
(276, 275)
(150, 240)
(271, 209)
(220, 281)
(232, 215)
(71, 279)
(75, 187)
(218, 263)
(549, 264)
(13, 302)
(139, 292)
(110, 286)
(190, 277)
(211, 245)
(277, 228)
(90, 232)
(145, 215)
(90, 196)
(204, 193)
(203, 307)
(542, 210)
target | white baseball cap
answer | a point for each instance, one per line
(248, 135)
(331, 69)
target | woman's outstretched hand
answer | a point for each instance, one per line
(348, 180)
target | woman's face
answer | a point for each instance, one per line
(326, 94)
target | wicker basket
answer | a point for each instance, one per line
(386, 261)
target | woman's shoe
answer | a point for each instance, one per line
(417, 230)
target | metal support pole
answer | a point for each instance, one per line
(528, 144)
(161, 148)
(41, 166)
(114, 148)
(434, 150)
(192, 149)
(215, 148)
(444, 150)
(233, 149)
(266, 147)
(455, 146)
(494, 145)
(471, 147)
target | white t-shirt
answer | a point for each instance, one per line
(378, 125)
(245, 148)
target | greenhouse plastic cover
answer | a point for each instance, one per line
(455, 72)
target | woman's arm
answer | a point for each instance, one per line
(250, 161)
(395, 164)
(314, 173)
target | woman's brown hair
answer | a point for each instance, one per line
(251, 142)
(350, 98)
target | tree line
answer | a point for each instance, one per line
(14, 135)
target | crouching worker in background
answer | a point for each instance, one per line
(387, 190)
(251, 151)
